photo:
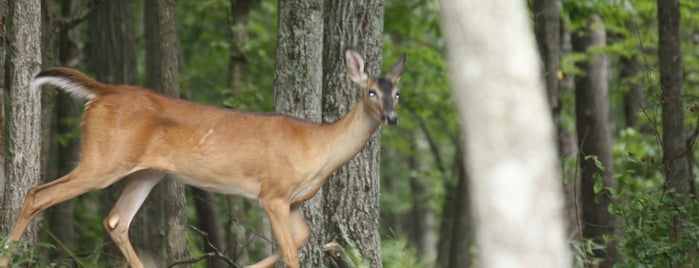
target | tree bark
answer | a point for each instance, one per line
(670, 60)
(60, 217)
(634, 98)
(209, 222)
(4, 18)
(462, 236)
(24, 139)
(237, 62)
(351, 196)
(548, 34)
(422, 217)
(237, 68)
(50, 35)
(675, 150)
(508, 132)
(163, 228)
(298, 83)
(595, 138)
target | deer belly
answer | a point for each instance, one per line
(250, 192)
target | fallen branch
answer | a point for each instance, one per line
(338, 255)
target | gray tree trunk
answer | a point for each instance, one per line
(209, 222)
(595, 138)
(351, 196)
(238, 243)
(298, 83)
(548, 34)
(510, 154)
(422, 217)
(59, 217)
(675, 161)
(670, 58)
(4, 14)
(50, 35)
(24, 120)
(162, 229)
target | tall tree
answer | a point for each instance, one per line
(209, 223)
(161, 231)
(422, 217)
(351, 196)
(23, 61)
(240, 12)
(64, 155)
(675, 165)
(595, 138)
(508, 132)
(548, 35)
(456, 230)
(237, 67)
(4, 14)
(670, 59)
(298, 83)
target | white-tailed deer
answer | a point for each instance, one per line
(138, 135)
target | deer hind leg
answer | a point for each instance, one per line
(77, 182)
(137, 186)
(80, 180)
(300, 233)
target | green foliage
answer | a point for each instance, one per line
(205, 34)
(24, 255)
(397, 253)
(646, 238)
(583, 250)
(647, 212)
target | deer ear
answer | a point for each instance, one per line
(355, 66)
(397, 70)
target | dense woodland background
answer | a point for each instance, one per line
(621, 79)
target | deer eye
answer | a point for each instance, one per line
(372, 93)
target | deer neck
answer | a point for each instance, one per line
(348, 135)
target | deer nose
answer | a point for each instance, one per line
(392, 118)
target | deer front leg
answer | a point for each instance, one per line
(300, 233)
(279, 213)
(137, 186)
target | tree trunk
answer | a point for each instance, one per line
(240, 11)
(60, 217)
(675, 161)
(670, 58)
(351, 195)
(595, 138)
(237, 67)
(509, 153)
(456, 231)
(163, 229)
(548, 35)
(50, 38)
(111, 57)
(422, 217)
(209, 223)
(4, 17)
(634, 98)
(298, 83)
(462, 235)
(24, 140)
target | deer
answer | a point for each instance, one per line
(138, 136)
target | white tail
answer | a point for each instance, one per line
(138, 135)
